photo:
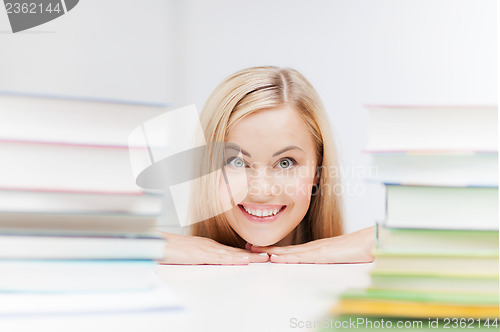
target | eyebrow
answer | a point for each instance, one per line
(237, 148)
(290, 147)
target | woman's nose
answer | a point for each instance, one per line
(260, 182)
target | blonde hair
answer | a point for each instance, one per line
(259, 88)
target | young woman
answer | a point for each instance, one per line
(277, 196)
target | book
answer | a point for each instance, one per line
(28, 246)
(421, 296)
(435, 240)
(414, 309)
(49, 276)
(77, 234)
(395, 128)
(432, 282)
(64, 167)
(79, 202)
(156, 299)
(477, 263)
(71, 121)
(435, 169)
(374, 309)
(388, 304)
(88, 224)
(473, 208)
(437, 251)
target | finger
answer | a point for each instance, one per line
(259, 249)
(254, 257)
(248, 246)
(259, 258)
(226, 259)
(220, 247)
(286, 258)
(184, 256)
(278, 250)
(217, 246)
(295, 258)
(210, 257)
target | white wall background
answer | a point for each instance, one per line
(109, 49)
(354, 52)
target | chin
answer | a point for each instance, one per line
(260, 242)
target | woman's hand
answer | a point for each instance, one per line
(355, 247)
(185, 249)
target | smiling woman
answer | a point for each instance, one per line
(272, 191)
(281, 177)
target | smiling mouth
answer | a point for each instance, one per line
(262, 213)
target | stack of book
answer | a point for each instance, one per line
(72, 219)
(437, 261)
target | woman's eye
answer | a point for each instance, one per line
(286, 163)
(236, 162)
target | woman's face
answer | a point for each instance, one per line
(278, 160)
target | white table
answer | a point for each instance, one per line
(257, 297)
(260, 297)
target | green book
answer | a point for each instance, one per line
(436, 240)
(475, 263)
(420, 296)
(435, 284)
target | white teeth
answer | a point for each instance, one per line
(262, 213)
